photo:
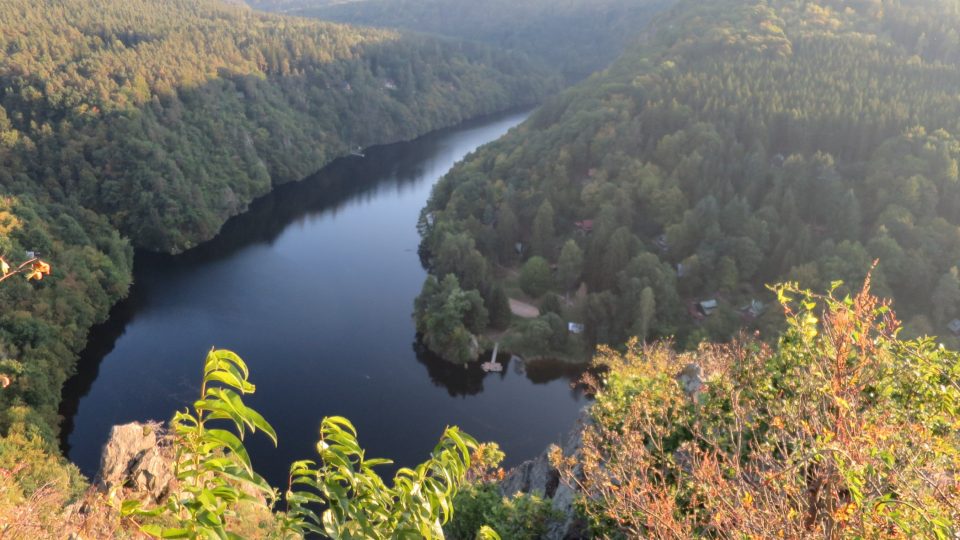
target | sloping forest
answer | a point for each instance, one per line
(148, 124)
(741, 143)
(576, 37)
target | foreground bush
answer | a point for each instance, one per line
(839, 430)
(338, 496)
(520, 517)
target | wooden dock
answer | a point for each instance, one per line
(493, 365)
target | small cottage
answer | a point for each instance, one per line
(662, 243)
(708, 307)
(753, 310)
(954, 327)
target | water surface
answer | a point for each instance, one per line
(314, 288)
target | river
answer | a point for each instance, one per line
(313, 287)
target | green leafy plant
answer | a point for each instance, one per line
(522, 516)
(358, 502)
(212, 466)
(215, 475)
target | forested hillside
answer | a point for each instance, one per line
(149, 123)
(577, 37)
(741, 143)
(170, 117)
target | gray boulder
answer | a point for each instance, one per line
(138, 457)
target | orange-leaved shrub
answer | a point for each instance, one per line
(839, 429)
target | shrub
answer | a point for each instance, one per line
(840, 430)
(520, 517)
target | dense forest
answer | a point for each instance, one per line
(735, 143)
(576, 37)
(170, 120)
(740, 143)
(138, 123)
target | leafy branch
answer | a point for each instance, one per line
(212, 465)
(33, 268)
(358, 502)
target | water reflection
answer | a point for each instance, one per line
(467, 379)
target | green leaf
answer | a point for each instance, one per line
(232, 442)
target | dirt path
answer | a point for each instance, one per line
(523, 309)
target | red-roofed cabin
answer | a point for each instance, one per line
(585, 226)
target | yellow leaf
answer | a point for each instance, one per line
(747, 500)
(4, 267)
(38, 275)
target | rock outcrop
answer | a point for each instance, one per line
(691, 379)
(138, 457)
(538, 476)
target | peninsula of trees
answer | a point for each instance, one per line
(738, 143)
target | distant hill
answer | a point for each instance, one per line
(739, 144)
(577, 37)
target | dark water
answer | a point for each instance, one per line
(314, 288)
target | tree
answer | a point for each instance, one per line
(946, 297)
(646, 311)
(727, 276)
(570, 265)
(448, 317)
(619, 250)
(458, 255)
(543, 235)
(498, 305)
(848, 219)
(508, 233)
(536, 277)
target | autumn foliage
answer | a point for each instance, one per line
(839, 430)
(33, 268)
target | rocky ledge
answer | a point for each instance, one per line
(138, 459)
(539, 477)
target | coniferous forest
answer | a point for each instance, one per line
(739, 144)
(576, 37)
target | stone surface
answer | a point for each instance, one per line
(138, 457)
(537, 476)
(691, 379)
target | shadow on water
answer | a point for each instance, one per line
(462, 380)
(100, 343)
(329, 190)
(330, 336)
